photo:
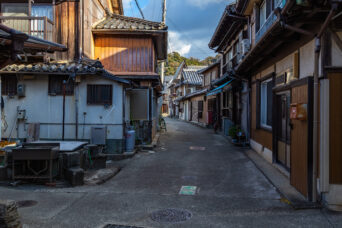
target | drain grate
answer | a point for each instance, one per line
(120, 226)
(171, 215)
(26, 203)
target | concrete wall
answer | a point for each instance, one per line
(47, 110)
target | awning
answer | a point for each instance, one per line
(218, 89)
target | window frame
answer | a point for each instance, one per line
(96, 101)
(264, 98)
(68, 92)
(4, 85)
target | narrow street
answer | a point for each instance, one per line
(231, 191)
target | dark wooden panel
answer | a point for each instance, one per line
(299, 144)
(335, 128)
(65, 27)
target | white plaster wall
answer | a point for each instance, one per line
(47, 110)
(336, 53)
(307, 60)
(284, 64)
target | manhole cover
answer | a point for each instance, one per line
(120, 226)
(26, 203)
(171, 215)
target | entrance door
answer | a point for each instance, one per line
(283, 130)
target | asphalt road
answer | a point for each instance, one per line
(231, 191)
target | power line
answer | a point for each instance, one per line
(141, 12)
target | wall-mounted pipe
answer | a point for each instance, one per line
(316, 108)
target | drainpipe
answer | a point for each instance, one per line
(316, 93)
(63, 119)
(76, 111)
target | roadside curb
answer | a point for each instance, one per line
(280, 182)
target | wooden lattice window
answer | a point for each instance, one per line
(9, 85)
(100, 94)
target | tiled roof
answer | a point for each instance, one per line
(119, 22)
(83, 67)
(191, 75)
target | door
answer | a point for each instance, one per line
(335, 128)
(283, 134)
(301, 135)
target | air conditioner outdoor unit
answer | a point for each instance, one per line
(245, 46)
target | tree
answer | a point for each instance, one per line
(174, 59)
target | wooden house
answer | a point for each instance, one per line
(294, 122)
(228, 40)
(187, 82)
(211, 106)
(68, 94)
(131, 48)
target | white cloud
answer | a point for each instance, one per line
(204, 3)
(178, 45)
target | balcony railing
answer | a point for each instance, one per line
(40, 27)
(269, 22)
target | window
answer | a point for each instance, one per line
(56, 85)
(14, 9)
(100, 94)
(9, 85)
(266, 103)
(42, 10)
(227, 106)
(200, 109)
(262, 14)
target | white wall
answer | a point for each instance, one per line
(47, 110)
(336, 59)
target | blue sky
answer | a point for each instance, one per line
(191, 22)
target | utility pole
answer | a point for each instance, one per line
(163, 63)
(141, 12)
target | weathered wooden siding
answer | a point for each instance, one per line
(335, 128)
(93, 13)
(125, 55)
(195, 118)
(259, 135)
(66, 15)
(299, 144)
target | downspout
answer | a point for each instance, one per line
(316, 93)
(124, 116)
(63, 118)
(76, 109)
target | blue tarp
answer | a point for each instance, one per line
(218, 89)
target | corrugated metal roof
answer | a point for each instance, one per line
(119, 22)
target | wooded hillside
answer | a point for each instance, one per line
(174, 59)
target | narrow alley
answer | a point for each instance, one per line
(231, 191)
